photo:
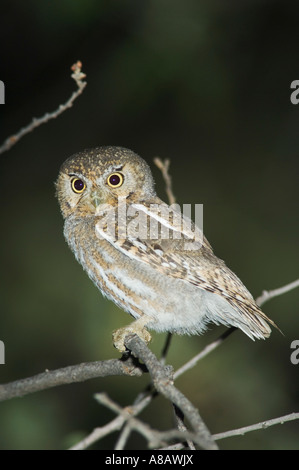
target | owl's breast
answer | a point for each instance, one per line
(110, 270)
(134, 286)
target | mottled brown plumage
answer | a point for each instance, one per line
(116, 226)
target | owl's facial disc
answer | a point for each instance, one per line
(101, 176)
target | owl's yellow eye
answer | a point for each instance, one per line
(78, 186)
(115, 180)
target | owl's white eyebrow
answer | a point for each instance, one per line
(111, 169)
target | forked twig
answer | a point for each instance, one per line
(78, 76)
(267, 295)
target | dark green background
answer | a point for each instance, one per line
(206, 84)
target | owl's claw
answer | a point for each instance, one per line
(137, 327)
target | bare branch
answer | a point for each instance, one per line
(163, 382)
(68, 375)
(255, 427)
(78, 76)
(267, 295)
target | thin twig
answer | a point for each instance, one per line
(179, 419)
(123, 437)
(166, 348)
(164, 167)
(255, 427)
(267, 295)
(178, 446)
(207, 350)
(78, 76)
(99, 433)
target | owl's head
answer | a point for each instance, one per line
(101, 176)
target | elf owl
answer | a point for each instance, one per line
(131, 246)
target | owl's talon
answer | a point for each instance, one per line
(120, 335)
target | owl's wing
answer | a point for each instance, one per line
(192, 261)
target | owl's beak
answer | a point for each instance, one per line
(96, 198)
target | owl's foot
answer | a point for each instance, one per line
(137, 327)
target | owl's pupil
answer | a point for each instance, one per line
(114, 180)
(78, 185)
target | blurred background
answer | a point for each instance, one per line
(206, 84)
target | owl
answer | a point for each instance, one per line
(133, 248)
